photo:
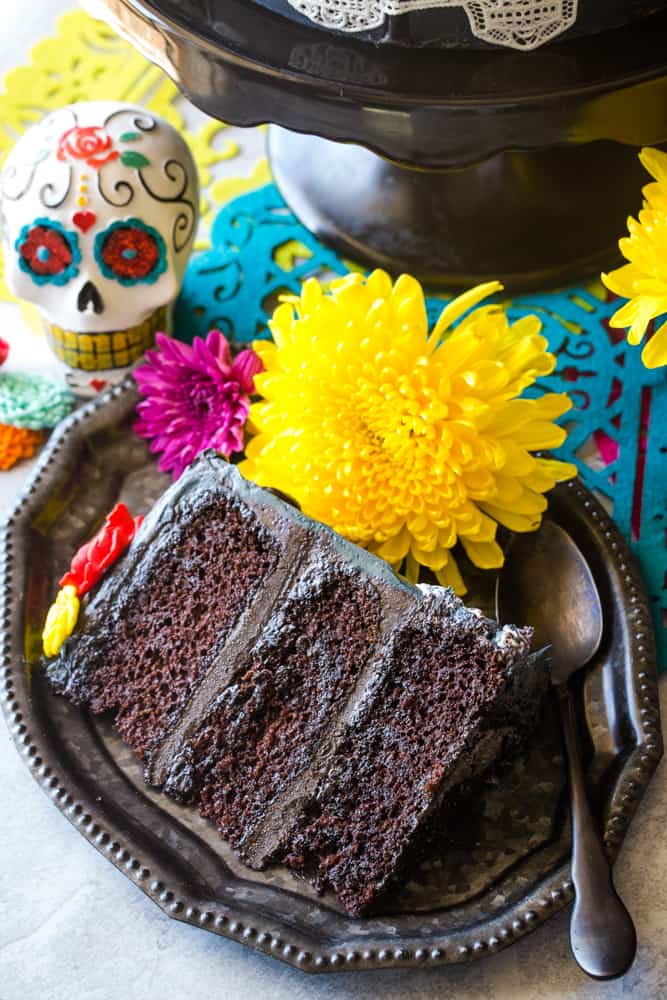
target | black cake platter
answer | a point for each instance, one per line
(459, 163)
(501, 869)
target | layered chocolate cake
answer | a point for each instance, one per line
(317, 709)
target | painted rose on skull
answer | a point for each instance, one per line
(100, 211)
(89, 143)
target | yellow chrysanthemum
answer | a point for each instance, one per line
(401, 441)
(644, 279)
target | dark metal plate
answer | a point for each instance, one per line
(504, 865)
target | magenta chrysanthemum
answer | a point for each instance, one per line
(196, 398)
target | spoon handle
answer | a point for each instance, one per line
(602, 935)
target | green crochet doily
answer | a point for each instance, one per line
(32, 401)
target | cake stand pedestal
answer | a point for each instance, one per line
(457, 166)
(533, 218)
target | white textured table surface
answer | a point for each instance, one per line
(73, 928)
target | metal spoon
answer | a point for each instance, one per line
(546, 583)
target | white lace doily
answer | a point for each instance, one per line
(517, 24)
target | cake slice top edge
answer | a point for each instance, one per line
(210, 475)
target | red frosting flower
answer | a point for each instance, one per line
(90, 562)
(90, 143)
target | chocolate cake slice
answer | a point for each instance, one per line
(316, 708)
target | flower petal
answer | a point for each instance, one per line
(395, 549)
(510, 519)
(655, 162)
(654, 354)
(460, 305)
(486, 555)
(450, 576)
(637, 314)
(244, 368)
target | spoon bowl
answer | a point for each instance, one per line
(530, 591)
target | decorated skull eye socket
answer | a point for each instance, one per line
(131, 252)
(48, 253)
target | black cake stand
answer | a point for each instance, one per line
(458, 165)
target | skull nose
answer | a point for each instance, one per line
(89, 296)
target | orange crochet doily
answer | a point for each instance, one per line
(17, 443)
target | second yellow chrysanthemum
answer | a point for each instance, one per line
(406, 442)
(643, 280)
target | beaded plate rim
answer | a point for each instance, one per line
(150, 874)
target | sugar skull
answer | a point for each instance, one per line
(99, 206)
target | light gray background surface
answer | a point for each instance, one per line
(73, 928)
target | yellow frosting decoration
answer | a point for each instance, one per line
(60, 620)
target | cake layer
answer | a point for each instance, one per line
(148, 637)
(442, 713)
(311, 704)
(267, 727)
